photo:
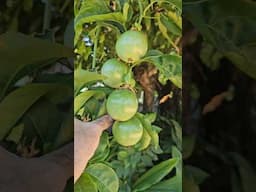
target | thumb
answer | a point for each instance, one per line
(103, 122)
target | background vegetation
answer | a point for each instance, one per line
(219, 93)
(36, 79)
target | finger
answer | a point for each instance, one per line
(103, 123)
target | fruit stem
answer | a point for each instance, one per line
(95, 47)
(141, 12)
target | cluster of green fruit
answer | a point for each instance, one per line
(122, 103)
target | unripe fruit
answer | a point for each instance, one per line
(128, 133)
(114, 71)
(122, 105)
(131, 46)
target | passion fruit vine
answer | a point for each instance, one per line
(122, 104)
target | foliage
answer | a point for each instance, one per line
(153, 164)
(221, 42)
(35, 95)
(227, 34)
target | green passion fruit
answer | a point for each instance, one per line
(122, 104)
(131, 46)
(129, 132)
(114, 71)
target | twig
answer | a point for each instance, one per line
(95, 47)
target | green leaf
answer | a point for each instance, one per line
(163, 29)
(103, 109)
(97, 10)
(235, 181)
(92, 107)
(170, 25)
(188, 185)
(199, 20)
(154, 136)
(177, 3)
(197, 174)
(40, 114)
(126, 11)
(85, 183)
(66, 132)
(61, 94)
(18, 102)
(28, 5)
(69, 34)
(102, 150)
(169, 185)
(177, 19)
(82, 98)
(152, 132)
(246, 172)
(177, 154)
(151, 117)
(155, 174)
(16, 133)
(18, 51)
(81, 77)
(232, 34)
(168, 65)
(104, 175)
(188, 146)
(245, 64)
(177, 133)
(114, 17)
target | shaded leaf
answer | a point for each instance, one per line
(40, 114)
(16, 133)
(197, 174)
(247, 173)
(188, 185)
(231, 34)
(188, 146)
(18, 102)
(28, 51)
(66, 131)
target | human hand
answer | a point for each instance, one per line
(51, 172)
(47, 173)
(87, 137)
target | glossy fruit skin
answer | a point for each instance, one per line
(131, 46)
(122, 104)
(114, 71)
(128, 133)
